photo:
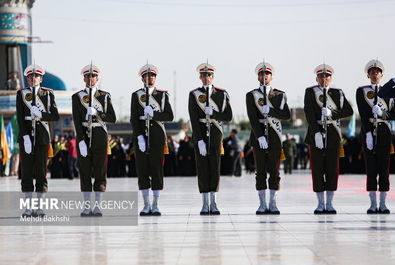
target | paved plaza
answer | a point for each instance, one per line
(237, 236)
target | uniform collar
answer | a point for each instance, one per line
(150, 90)
(374, 85)
(94, 90)
(37, 88)
(211, 89)
(268, 89)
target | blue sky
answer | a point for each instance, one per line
(294, 36)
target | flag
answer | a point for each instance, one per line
(10, 137)
(3, 142)
(15, 133)
(351, 127)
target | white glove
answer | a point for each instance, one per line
(319, 142)
(369, 140)
(83, 148)
(36, 112)
(148, 111)
(376, 110)
(202, 148)
(91, 111)
(141, 143)
(326, 112)
(262, 142)
(265, 109)
(27, 144)
(208, 110)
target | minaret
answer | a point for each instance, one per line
(15, 32)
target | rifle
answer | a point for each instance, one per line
(208, 121)
(147, 120)
(90, 118)
(265, 121)
(33, 104)
(375, 120)
(323, 118)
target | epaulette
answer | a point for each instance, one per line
(364, 86)
(161, 90)
(222, 89)
(45, 88)
(278, 90)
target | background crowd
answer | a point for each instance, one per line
(181, 158)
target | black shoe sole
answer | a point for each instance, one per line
(145, 214)
(86, 215)
(319, 212)
(274, 212)
(372, 212)
(330, 212)
(383, 212)
(97, 214)
(26, 215)
(156, 214)
(204, 213)
(262, 213)
(215, 213)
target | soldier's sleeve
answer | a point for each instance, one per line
(225, 115)
(135, 117)
(252, 113)
(344, 111)
(167, 113)
(20, 115)
(193, 109)
(391, 110)
(311, 117)
(77, 115)
(281, 111)
(364, 111)
(53, 114)
(108, 116)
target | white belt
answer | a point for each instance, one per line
(94, 124)
(327, 122)
(28, 118)
(377, 120)
(262, 121)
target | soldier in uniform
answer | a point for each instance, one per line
(92, 109)
(265, 115)
(324, 106)
(376, 135)
(208, 107)
(150, 107)
(35, 108)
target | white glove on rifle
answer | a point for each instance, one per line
(319, 142)
(141, 143)
(208, 110)
(262, 142)
(326, 112)
(369, 140)
(83, 148)
(202, 148)
(27, 143)
(90, 111)
(36, 112)
(376, 110)
(265, 109)
(148, 111)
